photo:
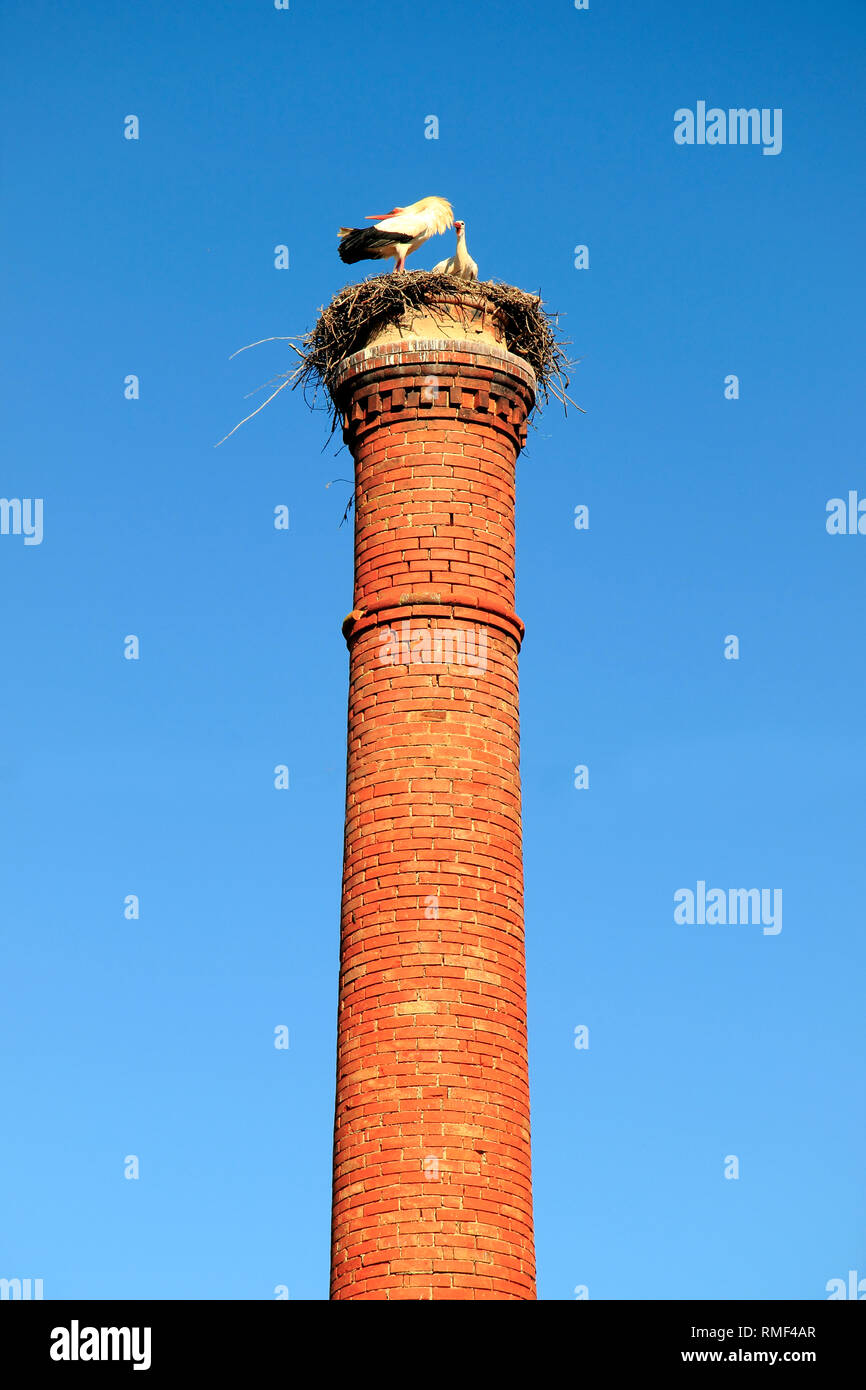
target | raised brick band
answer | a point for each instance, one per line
(432, 1194)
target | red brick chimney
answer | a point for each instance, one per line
(432, 1193)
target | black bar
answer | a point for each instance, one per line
(223, 1338)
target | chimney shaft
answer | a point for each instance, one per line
(432, 1195)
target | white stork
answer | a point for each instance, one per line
(397, 233)
(461, 263)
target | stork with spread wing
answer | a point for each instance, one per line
(396, 233)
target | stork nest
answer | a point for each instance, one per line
(360, 310)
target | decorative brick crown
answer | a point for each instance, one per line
(434, 379)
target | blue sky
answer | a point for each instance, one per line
(154, 777)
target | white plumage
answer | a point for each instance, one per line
(396, 233)
(461, 263)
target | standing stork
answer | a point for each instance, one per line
(461, 263)
(396, 233)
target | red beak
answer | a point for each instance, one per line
(380, 216)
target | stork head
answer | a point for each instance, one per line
(460, 228)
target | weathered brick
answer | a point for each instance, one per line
(432, 1187)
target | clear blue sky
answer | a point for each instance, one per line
(707, 517)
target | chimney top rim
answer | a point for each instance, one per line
(420, 352)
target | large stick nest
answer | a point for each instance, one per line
(361, 310)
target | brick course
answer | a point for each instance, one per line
(432, 1193)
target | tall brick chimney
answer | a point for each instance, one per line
(432, 1193)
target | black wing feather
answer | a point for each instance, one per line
(368, 244)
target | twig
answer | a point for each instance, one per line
(254, 412)
(264, 384)
(277, 338)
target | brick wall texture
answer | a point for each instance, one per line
(432, 1193)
